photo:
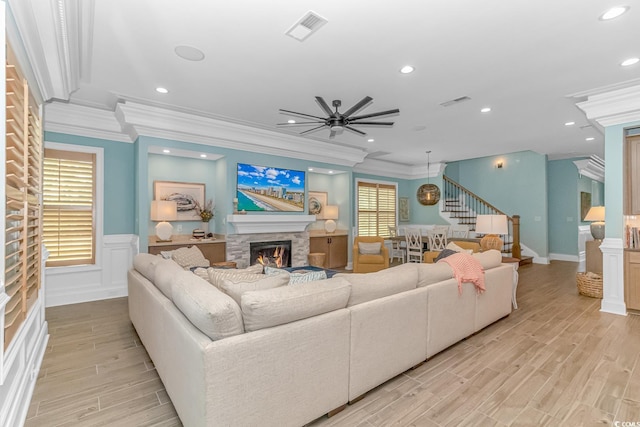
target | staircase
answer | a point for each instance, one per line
(464, 206)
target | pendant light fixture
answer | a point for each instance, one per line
(428, 194)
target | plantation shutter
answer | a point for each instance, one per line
(376, 208)
(68, 200)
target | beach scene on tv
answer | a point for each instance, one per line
(270, 189)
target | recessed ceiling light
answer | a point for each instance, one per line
(330, 171)
(162, 90)
(370, 140)
(291, 121)
(189, 53)
(589, 138)
(629, 61)
(310, 169)
(407, 69)
(204, 156)
(570, 123)
(614, 12)
(485, 110)
(166, 151)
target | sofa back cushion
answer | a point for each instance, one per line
(210, 310)
(146, 265)
(166, 276)
(433, 273)
(285, 304)
(369, 286)
(489, 259)
(235, 288)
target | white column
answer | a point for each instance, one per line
(613, 277)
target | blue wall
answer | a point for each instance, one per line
(519, 187)
(119, 180)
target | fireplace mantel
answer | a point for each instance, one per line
(252, 224)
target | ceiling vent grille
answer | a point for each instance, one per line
(307, 25)
(456, 101)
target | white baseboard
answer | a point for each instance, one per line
(564, 257)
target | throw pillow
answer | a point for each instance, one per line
(236, 289)
(297, 277)
(457, 248)
(369, 248)
(444, 253)
(216, 276)
(190, 257)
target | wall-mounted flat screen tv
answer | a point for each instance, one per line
(271, 189)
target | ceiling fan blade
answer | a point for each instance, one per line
(325, 107)
(300, 123)
(381, 113)
(354, 130)
(312, 130)
(359, 106)
(300, 114)
(355, 122)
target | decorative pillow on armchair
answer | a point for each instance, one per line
(369, 248)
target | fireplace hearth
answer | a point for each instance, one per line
(271, 254)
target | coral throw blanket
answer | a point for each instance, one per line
(466, 269)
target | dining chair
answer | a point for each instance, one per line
(397, 251)
(459, 230)
(413, 238)
(437, 239)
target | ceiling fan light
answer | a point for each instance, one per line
(337, 129)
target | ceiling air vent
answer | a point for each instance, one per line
(307, 25)
(456, 101)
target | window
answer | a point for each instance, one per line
(376, 208)
(69, 182)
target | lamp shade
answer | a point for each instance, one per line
(492, 224)
(331, 212)
(596, 213)
(164, 210)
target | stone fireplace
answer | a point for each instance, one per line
(275, 253)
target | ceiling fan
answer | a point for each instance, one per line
(336, 121)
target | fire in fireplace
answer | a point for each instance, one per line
(271, 254)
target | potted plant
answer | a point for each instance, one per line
(206, 214)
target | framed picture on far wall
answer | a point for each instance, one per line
(403, 209)
(317, 202)
(585, 204)
(185, 194)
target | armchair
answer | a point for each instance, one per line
(367, 257)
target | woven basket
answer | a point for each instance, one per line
(589, 284)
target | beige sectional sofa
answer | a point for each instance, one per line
(287, 355)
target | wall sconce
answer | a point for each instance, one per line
(163, 211)
(499, 164)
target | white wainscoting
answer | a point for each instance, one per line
(106, 279)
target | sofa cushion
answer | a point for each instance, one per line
(297, 277)
(263, 309)
(216, 275)
(190, 257)
(166, 276)
(371, 259)
(489, 259)
(369, 286)
(369, 248)
(146, 265)
(236, 289)
(210, 310)
(433, 273)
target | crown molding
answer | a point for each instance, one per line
(138, 119)
(397, 170)
(590, 169)
(613, 108)
(83, 121)
(49, 32)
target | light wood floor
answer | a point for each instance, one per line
(555, 361)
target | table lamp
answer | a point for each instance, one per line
(330, 214)
(491, 226)
(163, 211)
(596, 215)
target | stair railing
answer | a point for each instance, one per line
(476, 205)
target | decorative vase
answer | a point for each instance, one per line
(205, 227)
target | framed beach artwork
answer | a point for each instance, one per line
(317, 203)
(185, 194)
(266, 188)
(403, 208)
